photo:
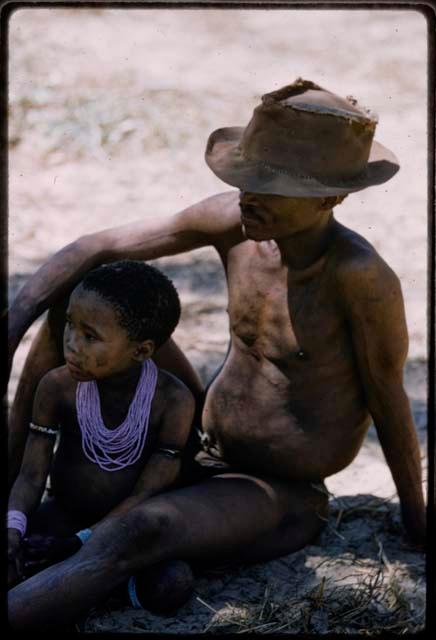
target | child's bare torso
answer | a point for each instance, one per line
(81, 486)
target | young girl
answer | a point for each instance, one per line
(122, 423)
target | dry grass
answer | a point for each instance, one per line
(369, 600)
(374, 604)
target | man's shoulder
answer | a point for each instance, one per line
(224, 201)
(220, 207)
(216, 217)
(357, 262)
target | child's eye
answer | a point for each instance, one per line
(90, 338)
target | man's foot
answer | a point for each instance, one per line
(164, 587)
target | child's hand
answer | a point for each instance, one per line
(15, 558)
(42, 551)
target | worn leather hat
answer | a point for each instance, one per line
(302, 141)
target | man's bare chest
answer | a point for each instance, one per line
(280, 317)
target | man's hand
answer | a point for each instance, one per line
(15, 558)
(41, 551)
(414, 521)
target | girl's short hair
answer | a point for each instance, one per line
(145, 300)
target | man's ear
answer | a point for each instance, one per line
(332, 201)
(144, 350)
(328, 203)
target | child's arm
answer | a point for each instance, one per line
(29, 486)
(163, 467)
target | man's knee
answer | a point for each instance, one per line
(144, 524)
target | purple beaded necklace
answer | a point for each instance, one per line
(114, 449)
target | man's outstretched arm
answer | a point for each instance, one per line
(45, 353)
(209, 222)
(375, 308)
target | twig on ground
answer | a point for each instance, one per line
(208, 606)
(332, 529)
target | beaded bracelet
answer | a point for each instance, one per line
(169, 453)
(17, 520)
(131, 589)
(48, 431)
(84, 535)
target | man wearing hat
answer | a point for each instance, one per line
(318, 345)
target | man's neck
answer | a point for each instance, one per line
(301, 250)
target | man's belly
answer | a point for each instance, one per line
(309, 423)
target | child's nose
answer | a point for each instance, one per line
(71, 342)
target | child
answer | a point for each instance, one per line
(122, 423)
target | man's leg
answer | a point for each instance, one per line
(50, 521)
(224, 516)
(161, 588)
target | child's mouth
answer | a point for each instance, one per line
(73, 367)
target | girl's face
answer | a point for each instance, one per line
(95, 345)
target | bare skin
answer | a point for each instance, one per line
(46, 353)
(318, 344)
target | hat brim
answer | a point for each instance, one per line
(223, 156)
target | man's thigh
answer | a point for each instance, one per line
(239, 515)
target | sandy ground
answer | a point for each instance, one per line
(109, 115)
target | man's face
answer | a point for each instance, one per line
(95, 345)
(271, 217)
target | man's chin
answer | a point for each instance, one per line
(253, 234)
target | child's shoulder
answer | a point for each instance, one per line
(56, 380)
(53, 395)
